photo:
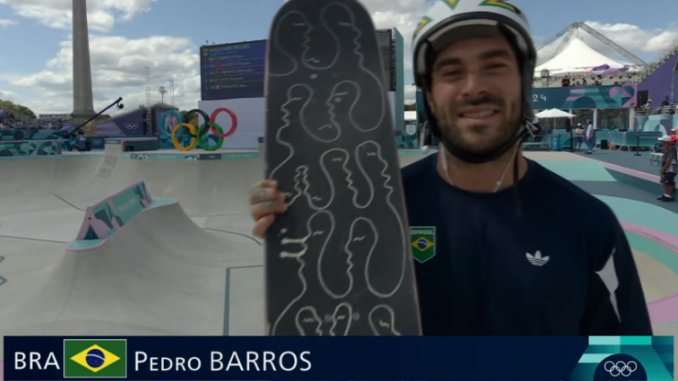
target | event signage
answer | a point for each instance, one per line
(574, 98)
(233, 70)
(238, 70)
(339, 358)
(585, 97)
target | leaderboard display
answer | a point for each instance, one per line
(231, 71)
(237, 70)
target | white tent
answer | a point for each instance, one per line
(554, 113)
(576, 58)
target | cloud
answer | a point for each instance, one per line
(7, 96)
(102, 14)
(5, 23)
(118, 69)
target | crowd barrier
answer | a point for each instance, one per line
(29, 148)
(630, 140)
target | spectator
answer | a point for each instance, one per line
(590, 137)
(668, 169)
(579, 132)
(565, 82)
(583, 82)
(665, 102)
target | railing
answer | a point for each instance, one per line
(629, 140)
(671, 109)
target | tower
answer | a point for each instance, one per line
(83, 102)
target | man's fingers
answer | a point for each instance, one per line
(264, 184)
(268, 207)
(262, 225)
(258, 195)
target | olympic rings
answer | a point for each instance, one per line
(234, 121)
(620, 368)
(176, 141)
(218, 133)
(209, 124)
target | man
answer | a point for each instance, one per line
(579, 132)
(590, 137)
(668, 168)
(511, 259)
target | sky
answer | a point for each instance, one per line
(127, 35)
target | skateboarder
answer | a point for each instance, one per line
(505, 255)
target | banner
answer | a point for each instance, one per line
(340, 358)
(131, 124)
(565, 98)
(589, 97)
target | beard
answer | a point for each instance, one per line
(495, 136)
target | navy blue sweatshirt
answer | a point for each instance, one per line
(564, 268)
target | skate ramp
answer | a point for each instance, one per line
(160, 274)
(46, 174)
(204, 188)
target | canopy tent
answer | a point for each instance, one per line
(577, 58)
(554, 113)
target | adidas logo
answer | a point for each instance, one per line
(537, 259)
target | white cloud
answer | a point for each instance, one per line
(118, 69)
(5, 23)
(102, 14)
(7, 96)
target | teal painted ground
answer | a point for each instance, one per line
(578, 170)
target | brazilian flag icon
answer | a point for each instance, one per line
(95, 358)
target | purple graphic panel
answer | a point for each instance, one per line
(126, 125)
(627, 93)
(658, 84)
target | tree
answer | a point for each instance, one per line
(412, 107)
(17, 110)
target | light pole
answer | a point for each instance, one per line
(546, 74)
(162, 92)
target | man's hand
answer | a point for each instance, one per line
(266, 201)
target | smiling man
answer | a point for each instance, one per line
(501, 248)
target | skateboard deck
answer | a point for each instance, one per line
(338, 262)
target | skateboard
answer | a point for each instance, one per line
(338, 262)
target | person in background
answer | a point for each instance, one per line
(668, 168)
(590, 137)
(565, 82)
(579, 139)
(665, 102)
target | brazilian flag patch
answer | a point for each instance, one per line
(423, 239)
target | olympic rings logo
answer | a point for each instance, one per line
(131, 126)
(615, 369)
(182, 127)
(96, 142)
